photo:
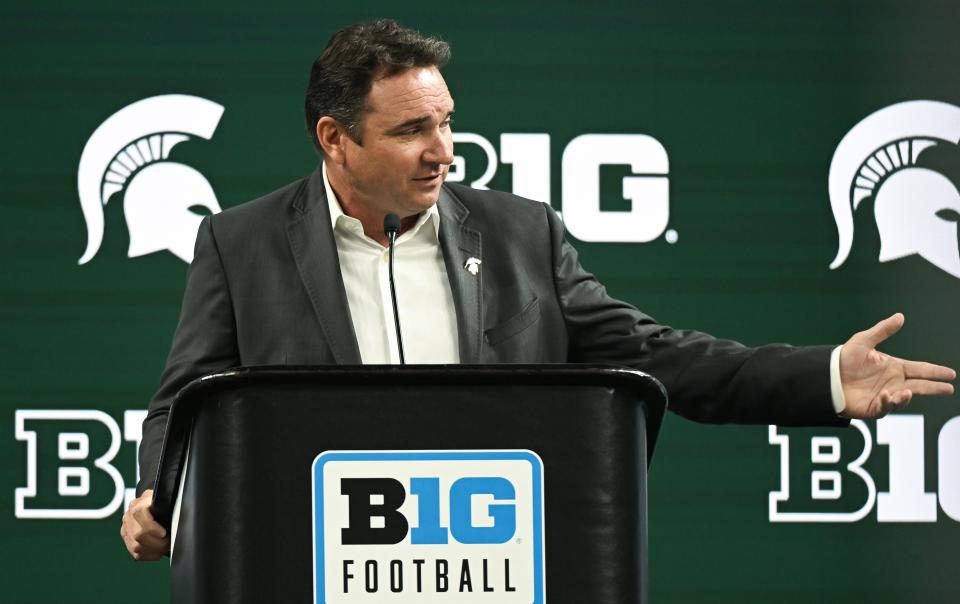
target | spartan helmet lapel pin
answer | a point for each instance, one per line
(473, 265)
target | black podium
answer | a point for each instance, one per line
(453, 484)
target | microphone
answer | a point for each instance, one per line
(391, 228)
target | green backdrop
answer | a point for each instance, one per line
(750, 100)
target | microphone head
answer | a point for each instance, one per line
(391, 224)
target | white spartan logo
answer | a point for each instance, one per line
(129, 151)
(915, 208)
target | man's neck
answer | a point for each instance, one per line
(371, 220)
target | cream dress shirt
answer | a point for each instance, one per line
(428, 318)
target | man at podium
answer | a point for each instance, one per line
(300, 277)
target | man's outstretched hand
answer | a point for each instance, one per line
(144, 537)
(875, 383)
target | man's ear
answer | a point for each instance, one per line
(332, 136)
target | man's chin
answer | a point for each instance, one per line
(423, 200)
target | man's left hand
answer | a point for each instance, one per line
(875, 383)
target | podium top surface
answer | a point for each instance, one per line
(646, 386)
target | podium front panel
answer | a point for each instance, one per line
(245, 530)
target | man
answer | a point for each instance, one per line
(298, 277)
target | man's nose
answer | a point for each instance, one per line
(440, 149)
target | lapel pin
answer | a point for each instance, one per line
(473, 265)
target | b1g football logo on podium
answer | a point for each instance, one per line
(428, 527)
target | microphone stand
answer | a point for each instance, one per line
(391, 228)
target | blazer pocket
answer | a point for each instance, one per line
(515, 324)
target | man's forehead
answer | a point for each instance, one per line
(409, 93)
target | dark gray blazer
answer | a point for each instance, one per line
(265, 288)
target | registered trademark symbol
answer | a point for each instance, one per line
(519, 540)
(671, 236)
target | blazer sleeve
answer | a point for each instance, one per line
(205, 342)
(707, 379)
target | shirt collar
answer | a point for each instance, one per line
(341, 221)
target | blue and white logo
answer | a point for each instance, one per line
(458, 527)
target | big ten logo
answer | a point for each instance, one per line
(428, 526)
(637, 211)
(72, 469)
(843, 476)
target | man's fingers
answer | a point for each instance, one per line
(901, 397)
(145, 497)
(137, 538)
(891, 400)
(885, 405)
(146, 551)
(143, 536)
(928, 388)
(884, 329)
(150, 542)
(153, 531)
(149, 524)
(928, 371)
(134, 532)
(141, 514)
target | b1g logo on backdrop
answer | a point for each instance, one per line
(916, 208)
(428, 527)
(839, 476)
(74, 462)
(647, 188)
(130, 152)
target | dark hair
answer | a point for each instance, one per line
(341, 77)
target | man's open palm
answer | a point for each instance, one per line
(875, 383)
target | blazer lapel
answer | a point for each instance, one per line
(458, 244)
(315, 251)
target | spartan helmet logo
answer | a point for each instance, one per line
(915, 208)
(129, 151)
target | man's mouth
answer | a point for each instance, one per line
(430, 178)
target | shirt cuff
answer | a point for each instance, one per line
(836, 386)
